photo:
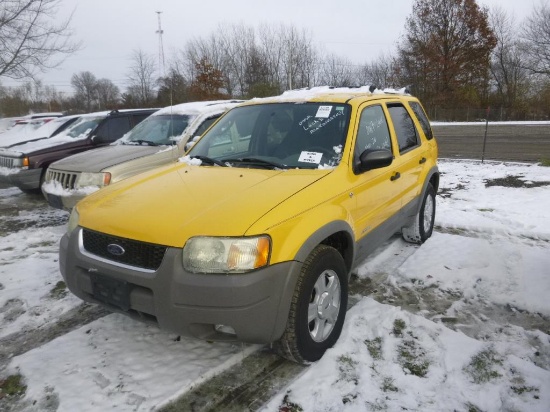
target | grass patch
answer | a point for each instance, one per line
(472, 408)
(347, 367)
(413, 358)
(388, 386)
(482, 366)
(59, 291)
(374, 347)
(545, 162)
(13, 385)
(524, 389)
(398, 326)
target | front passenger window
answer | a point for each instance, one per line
(373, 133)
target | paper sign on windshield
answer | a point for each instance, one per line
(310, 157)
(323, 111)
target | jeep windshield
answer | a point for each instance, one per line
(276, 135)
(157, 130)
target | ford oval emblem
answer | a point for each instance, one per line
(115, 249)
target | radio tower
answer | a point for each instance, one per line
(162, 69)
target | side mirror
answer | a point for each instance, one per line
(373, 159)
(97, 139)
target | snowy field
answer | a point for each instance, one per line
(459, 323)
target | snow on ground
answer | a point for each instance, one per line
(486, 348)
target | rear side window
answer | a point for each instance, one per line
(114, 128)
(407, 137)
(422, 119)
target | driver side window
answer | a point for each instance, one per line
(373, 133)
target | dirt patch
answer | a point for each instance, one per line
(514, 181)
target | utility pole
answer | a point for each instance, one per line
(162, 69)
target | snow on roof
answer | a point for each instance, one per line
(196, 108)
(309, 93)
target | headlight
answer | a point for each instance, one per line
(94, 179)
(73, 220)
(21, 162)
(226, 255)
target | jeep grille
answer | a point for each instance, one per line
(6, 162)
(138, 254)
(65, 179)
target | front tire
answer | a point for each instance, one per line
(423, 225)
(318, 307)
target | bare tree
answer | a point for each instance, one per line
(238, 44)
(141, 78)
(510, 77)
(537, 36)
(108, 94)
(32, 37)
(336, 71)
(380, 73)
(85, 90)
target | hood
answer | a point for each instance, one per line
(168, 205)
(98, 159)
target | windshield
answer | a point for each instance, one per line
(283, 135)
(159, 130)
(82, 127)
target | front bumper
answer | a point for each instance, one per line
(255, 305)
(63, 202)
(26, 179)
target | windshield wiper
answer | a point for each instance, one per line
(147, 142)
(257, 162)
(139, 142)
(206, 159)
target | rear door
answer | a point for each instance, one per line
(410, 157)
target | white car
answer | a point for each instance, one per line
(35, 129)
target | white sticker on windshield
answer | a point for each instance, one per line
(323, 111)
(310, 157)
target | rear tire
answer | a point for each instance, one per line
(423, 225)
(318, 307)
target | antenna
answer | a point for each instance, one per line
(162, 69)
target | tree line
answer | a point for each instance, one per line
(463, 61)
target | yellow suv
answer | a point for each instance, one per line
(253, 235)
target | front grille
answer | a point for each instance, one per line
(6, 162)
(65, 179)
(140, 254)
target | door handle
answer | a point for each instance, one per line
(422, 161)
(396, 176)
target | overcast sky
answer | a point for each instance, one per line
(110, 30)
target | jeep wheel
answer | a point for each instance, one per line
(318, 307)
(423, 224)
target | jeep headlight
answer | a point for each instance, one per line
(21, 162)
(73, 220)
(226, 255)
(94, 179)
